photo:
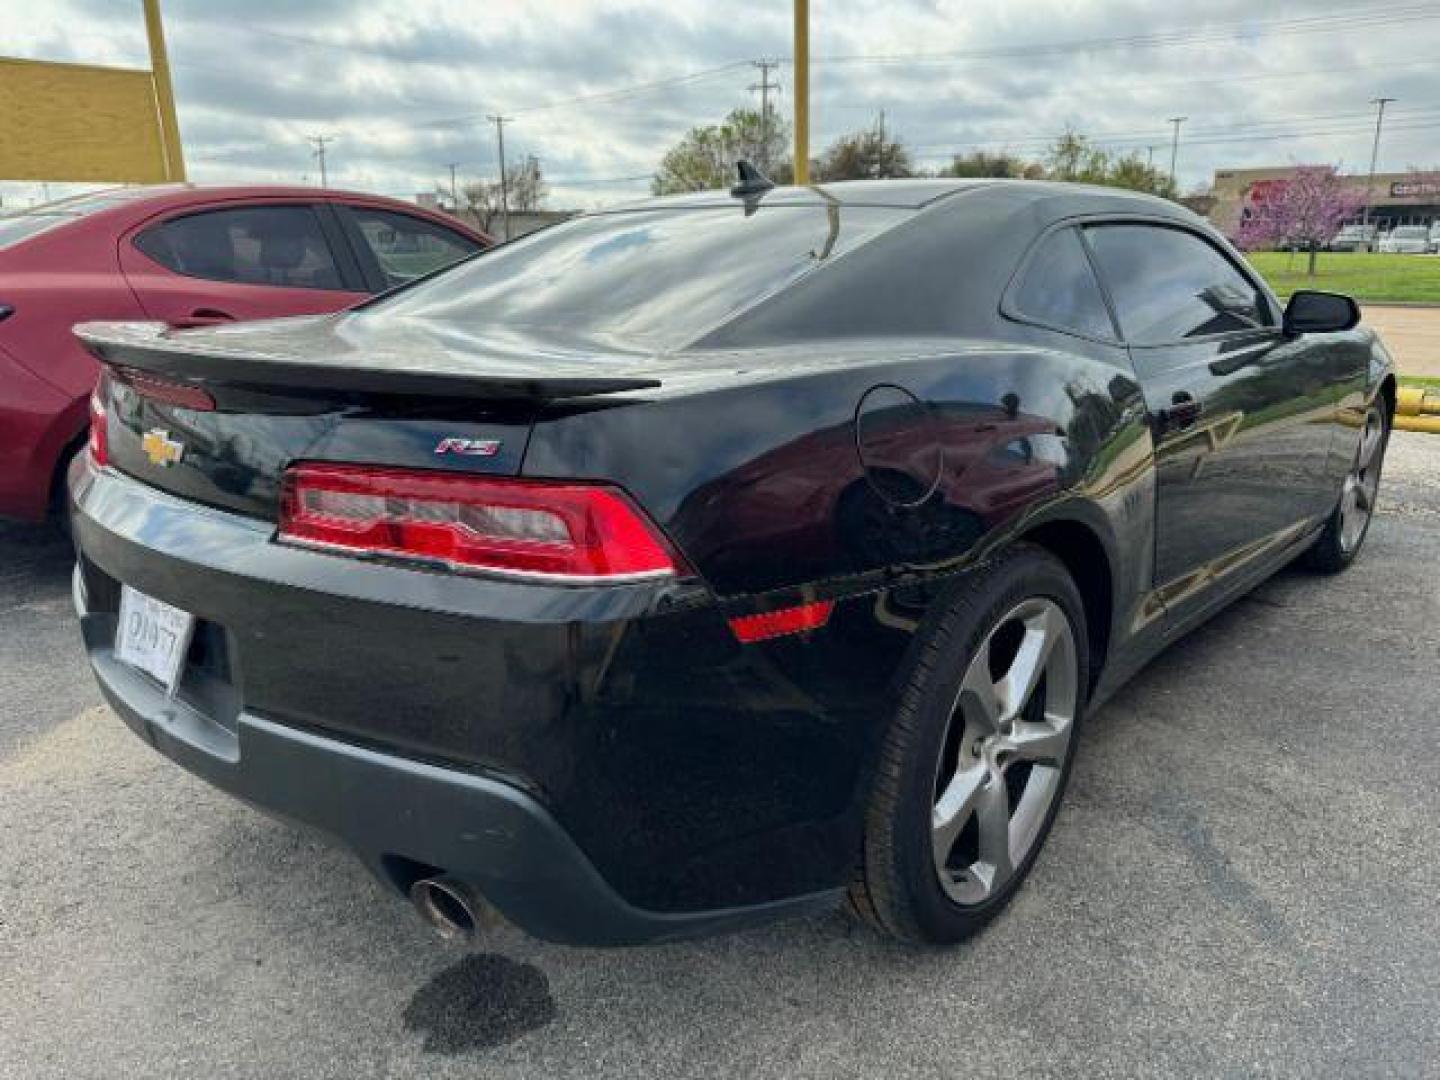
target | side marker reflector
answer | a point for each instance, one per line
(791, 620)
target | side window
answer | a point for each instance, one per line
(248, 245)
(1059, 288)
(1169, 285)
(408, 247)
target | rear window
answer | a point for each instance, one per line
(1059, 289)
(249, 245)
(662, 277)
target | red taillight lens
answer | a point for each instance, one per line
(582, 532)
(791, 620)
(99, 426)
(166, 391)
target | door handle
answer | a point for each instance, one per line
(203, 316)
(1184, 410)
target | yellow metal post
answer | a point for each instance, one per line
(802, 91)
(164, 92)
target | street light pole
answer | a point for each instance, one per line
(1175, 146)
(164, 92)
(1379, 103)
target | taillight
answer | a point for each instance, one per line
(166, 391)
(527, 528)
(99, 426)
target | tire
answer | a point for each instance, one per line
(1344, 533)
(961, 770)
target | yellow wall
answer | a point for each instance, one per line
(74, 122)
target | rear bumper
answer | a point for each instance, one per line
(523, 820)
(388, 808)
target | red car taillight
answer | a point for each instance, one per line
(166, 391)
(581, 532)
(99, 426)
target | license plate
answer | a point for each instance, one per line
(153, 636)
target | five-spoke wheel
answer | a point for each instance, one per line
(1339, 541)
(975, 761)
(1009, 737)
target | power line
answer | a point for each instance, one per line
(617, 94)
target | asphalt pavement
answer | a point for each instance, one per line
(1244, 881)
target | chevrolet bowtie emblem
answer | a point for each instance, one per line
(161, 449)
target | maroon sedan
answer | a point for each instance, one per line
(187, 256)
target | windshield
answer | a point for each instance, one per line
(659, 277)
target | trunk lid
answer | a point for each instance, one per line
(333, 388)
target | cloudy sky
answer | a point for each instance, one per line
(597, 90)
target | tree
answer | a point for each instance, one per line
(527, 187)
(1073, 157)
(982, 163)
(705, 158)
(526, 190)
(1133, 173)
(865, 155)
(1304, 210)
(481, 199)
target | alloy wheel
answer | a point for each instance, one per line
(1357, 498)
(1004, 754)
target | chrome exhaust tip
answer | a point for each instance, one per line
(451, 907)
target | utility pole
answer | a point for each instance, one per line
(1150, 157)
(1379, 103)
(802, 91)
(881, 165)
(319, 155)
(164, 92)
(1175, 145)
(500, 122)
(765, 86)
(454, 191)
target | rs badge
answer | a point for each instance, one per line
(161, 449)
(469, 447)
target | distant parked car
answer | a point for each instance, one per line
(183, 255)
(1406, 240)
(1354, 238)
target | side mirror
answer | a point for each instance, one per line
(1312, 312)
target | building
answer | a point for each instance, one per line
(1407, 198)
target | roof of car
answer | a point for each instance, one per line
(911, 194)
(129, 203)
(186, 191)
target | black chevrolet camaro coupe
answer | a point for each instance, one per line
(713, 558)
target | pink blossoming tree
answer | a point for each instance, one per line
(1304, 210)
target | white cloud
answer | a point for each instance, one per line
(255, 78)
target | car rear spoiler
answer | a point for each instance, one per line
(151, 347)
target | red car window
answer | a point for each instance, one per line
(252, 245)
